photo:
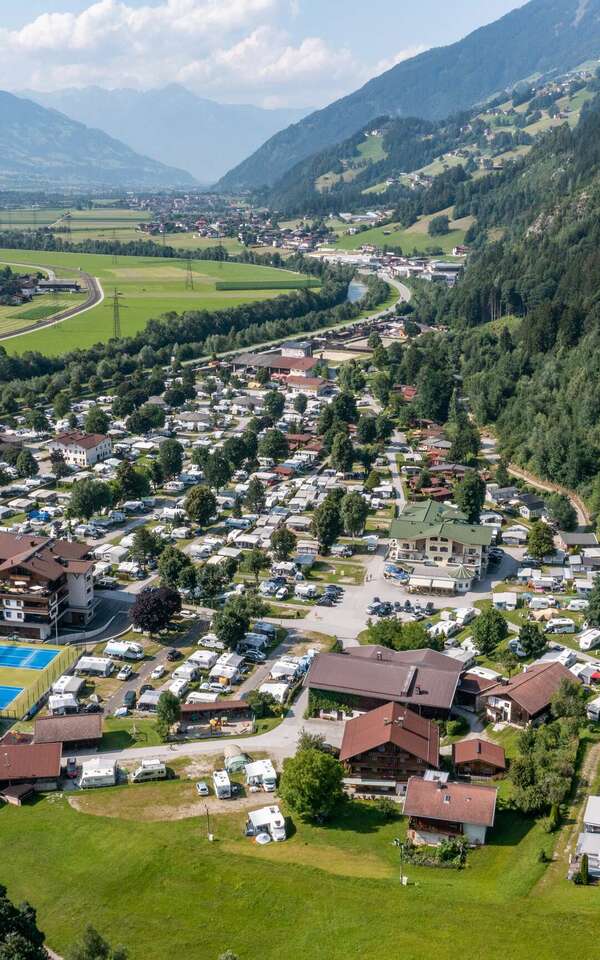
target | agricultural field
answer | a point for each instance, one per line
(13, 319)
(413, 238)
(137, 860)
(100, 223)
(148, 287)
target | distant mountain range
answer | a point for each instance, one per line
(173, 125)
(540, 37)
(41, 147)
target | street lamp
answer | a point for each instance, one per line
(399, 844)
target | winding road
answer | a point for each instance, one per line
(95, 296)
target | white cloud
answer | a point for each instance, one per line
(407, 54)
(233, 50)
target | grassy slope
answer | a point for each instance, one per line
(149, 287)
(155, 885)
(415, 237)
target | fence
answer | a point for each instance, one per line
(36, 691)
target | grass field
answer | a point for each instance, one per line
(149, 287)
(13, 319)
(414, 238)
(328, 893)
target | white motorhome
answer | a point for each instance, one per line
(589, 639)
(305, 591)
(222, 785)
(124, 650)
(266, 820)
(261, 773)
(149, 770)
(98, 773)
(560, 625)
(187, 671)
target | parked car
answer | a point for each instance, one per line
(129, 699)
(71, 768)
(92, 708)
(202, 789)
(125, 672)
(255, 656)
(158, 672)
(174, 655)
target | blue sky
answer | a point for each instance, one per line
(269, 52)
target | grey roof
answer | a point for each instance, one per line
(421, 678)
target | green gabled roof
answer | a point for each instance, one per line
(430, 519)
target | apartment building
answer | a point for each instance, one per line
(44, 583)
(82, 449)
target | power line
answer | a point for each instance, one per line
(189, 275)
(116, 316)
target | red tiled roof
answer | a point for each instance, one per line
(468, 751)
(395, 724)
(36, 761)
(307, 382)
(76, 438)
(71, 729)
(450, 802)
(534, 688)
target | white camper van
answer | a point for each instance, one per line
(266, 820)
(149, 770)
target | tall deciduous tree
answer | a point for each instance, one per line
(311, 784)
(200, 504)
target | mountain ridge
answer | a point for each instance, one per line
(172, 124)
(43, 146)
(541, 36)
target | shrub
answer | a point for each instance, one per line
(454, 728)
(387, 808)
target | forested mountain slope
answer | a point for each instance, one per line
(542, 36)
(525, 319)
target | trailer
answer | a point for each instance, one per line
(98, 773)
(95, 666)
(124, 650)
(589, 639)
(222, 785)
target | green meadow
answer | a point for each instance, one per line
(148, 287)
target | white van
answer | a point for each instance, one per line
(149, 770)
(560, 625)
(222, 785)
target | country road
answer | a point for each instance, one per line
(95, 296)
(583, 516)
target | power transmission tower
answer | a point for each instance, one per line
(116, 316)
(189, 276)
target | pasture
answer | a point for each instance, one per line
(412, 238)
(137, 861)
(148, 288)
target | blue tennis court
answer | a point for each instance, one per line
(26, 658)
(8, 694)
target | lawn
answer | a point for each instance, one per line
(337, 571)
(329, 893)
(148, 287)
